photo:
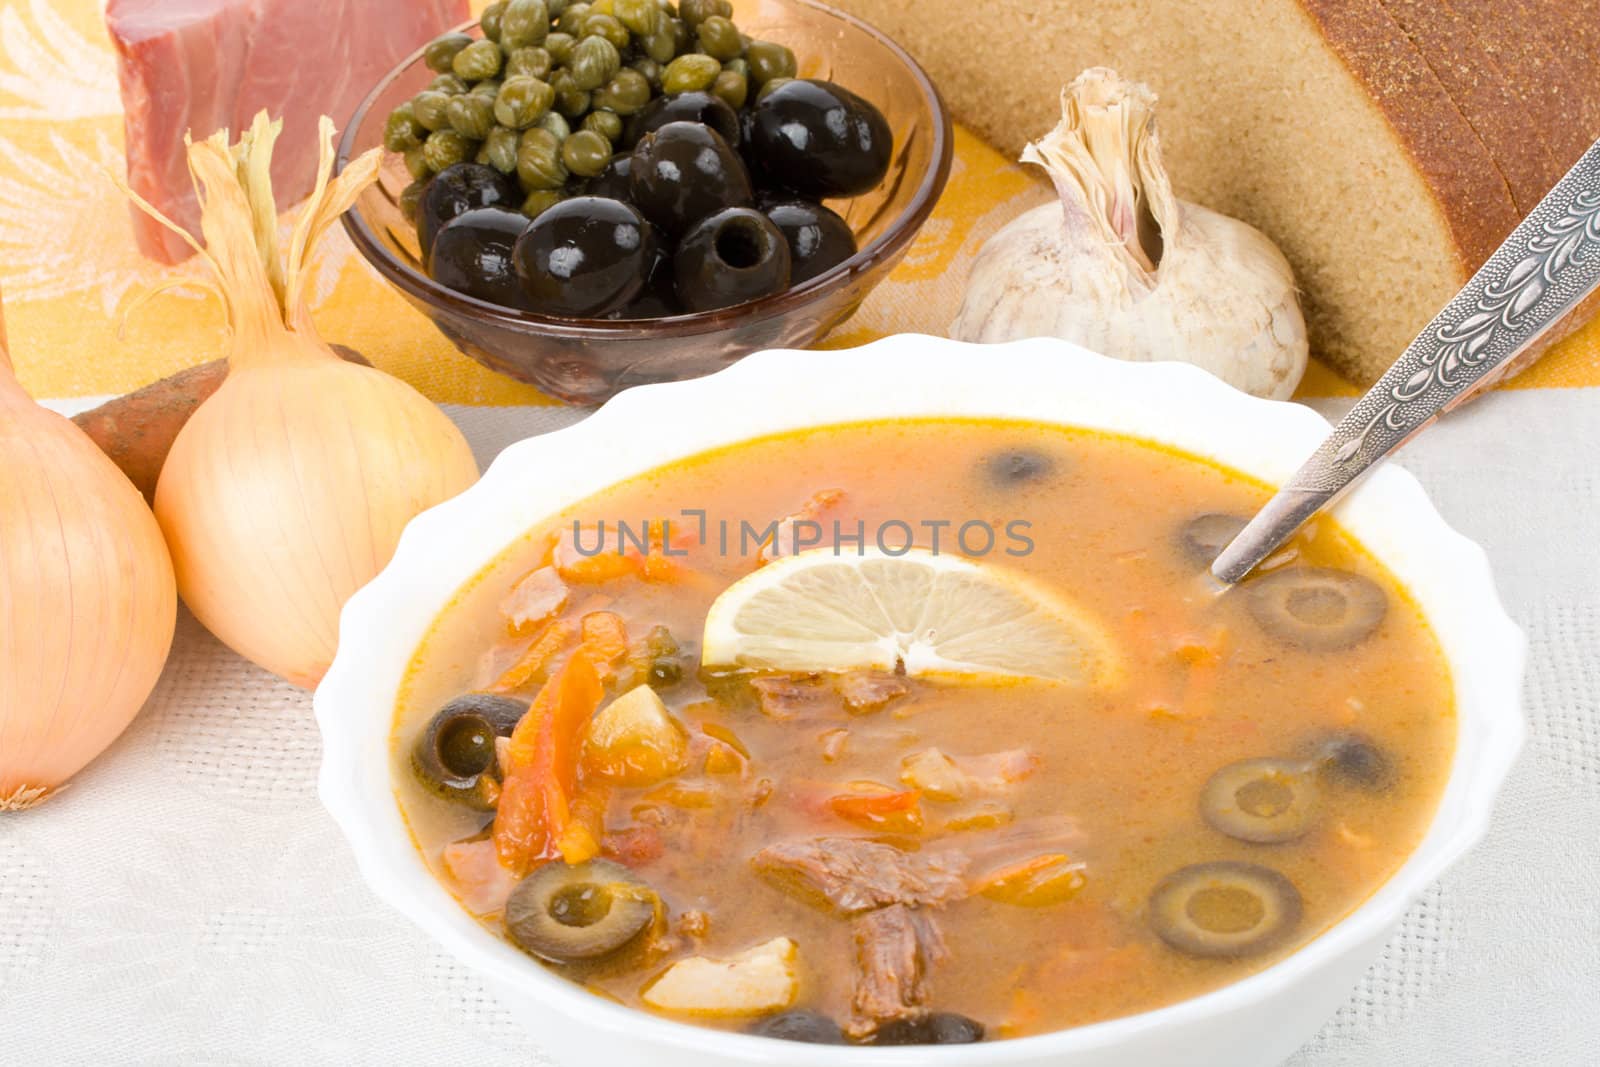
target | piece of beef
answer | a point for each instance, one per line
(204, 65)
(894, 948)
(792, 696)
(865, 692)
(852, 875)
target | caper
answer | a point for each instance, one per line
(490, 20)
(602, 7)
(651, 71)
(539, 164)
(441, 53)
(690, 73)
(448, 84)
(768, 61)
(428, 108)
(570, 100)
(445, 148)
(739, 65)
(695, 12)
(560, 46)
(477, 61)
(541, 200)
(402, 131)
(597, 25)
(571, 20)
(719, 38)
(500, 150)
(411, 201)
(530, 62)
(525, 22)
(595, 61)
(732, 87)
(661, 46)
(607, 124)
(417, 163)
(523, 102)
(489, 87)
(626, 93)
(640, 16)
(682, 36)
(557, 124)
(556, 7)
(471, 116)
(585, 153)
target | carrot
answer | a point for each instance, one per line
(536, 660)
(893, 812)
(136, 431)
(605, 637)
(535, 800)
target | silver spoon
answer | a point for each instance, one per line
(1531, 293)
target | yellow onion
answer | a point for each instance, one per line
(288, 488)
(87, 602)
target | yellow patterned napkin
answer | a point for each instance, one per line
(69, 268)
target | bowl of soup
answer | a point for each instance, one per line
(877, 707)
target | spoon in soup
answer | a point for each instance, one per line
(1535, 289)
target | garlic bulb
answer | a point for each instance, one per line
(1122, 266)
(87, 599)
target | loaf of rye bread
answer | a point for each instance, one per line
(1387, 146)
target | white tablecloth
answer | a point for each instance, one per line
(187, 901)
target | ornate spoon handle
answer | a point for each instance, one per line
(1519, 301)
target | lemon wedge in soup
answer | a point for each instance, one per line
(940, 616)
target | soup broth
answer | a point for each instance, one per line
(1082, 851)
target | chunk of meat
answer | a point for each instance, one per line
(865, 692)
(852, 875)
(481, 883)
(790, 696)
(204, 65)
(894, 949)
(944, 777)
(535, 598)
(788, 539)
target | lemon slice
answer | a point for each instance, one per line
(937, 615)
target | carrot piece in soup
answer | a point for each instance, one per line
(536, 660)
(890, 812)
(593, 554)
(605, 638)
(535, 804)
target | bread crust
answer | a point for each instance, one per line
(1465, 178)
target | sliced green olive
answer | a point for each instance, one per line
(1263, 801)
(1205, 536)
(1354, 759)
(579, 914)
(456, 754)
(1224, 910)
(1317, 608)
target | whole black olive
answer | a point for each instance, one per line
(472, 254)
(701, 107)
(940, 1028)
(819, 239)
(615, 182)
(808, 1027)
(658, 299)
(819, 139)
(457, 190)
(738, 254)
(684, 172)
(585, 257)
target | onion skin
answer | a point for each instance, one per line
(287, 491)
(87, 600)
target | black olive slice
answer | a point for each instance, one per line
(1017, 466)
(1263, 801)
(579, 914)
(455, 756)
(809, 1027)
(939, 1028)
(1317, 608)
(1224, 910)
(1205, 536)
(1354, 759)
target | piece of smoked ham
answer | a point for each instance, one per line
(198, 66)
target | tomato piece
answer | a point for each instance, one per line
(534, 810)
(891, 812)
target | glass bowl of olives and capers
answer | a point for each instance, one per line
(532, 203)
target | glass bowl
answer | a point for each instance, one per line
(586, 361)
